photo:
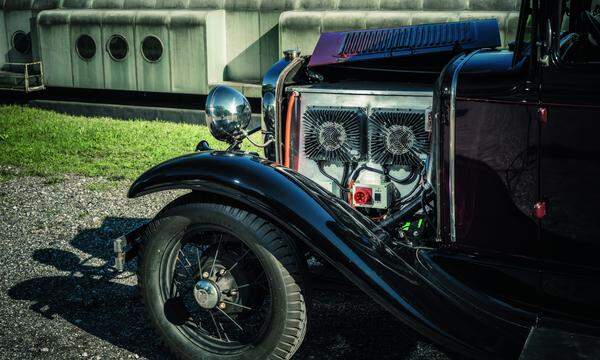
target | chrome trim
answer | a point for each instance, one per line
(436, 164)
(278, 103)
(268, 102)
(452, 145)
(228, 113)
(269, 81)
(290, 55)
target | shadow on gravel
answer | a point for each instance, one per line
(92, 296)
(103, 303)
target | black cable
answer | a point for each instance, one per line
(403, 199)
(356, 172)
(424, 205)
(346, 174)
(335, 181)
(353, 168)
(407, 180)
(392, 221)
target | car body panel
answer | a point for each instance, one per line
(570, 169)
(495, 264)
(401, 281)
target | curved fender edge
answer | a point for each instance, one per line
(335, 231)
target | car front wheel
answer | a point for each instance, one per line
(221, 283)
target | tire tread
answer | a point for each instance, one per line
(289, 263)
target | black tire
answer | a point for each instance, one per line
(282, 264)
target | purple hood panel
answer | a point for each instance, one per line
(361, 45)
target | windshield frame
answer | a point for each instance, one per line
(558, 36)
(528, 8)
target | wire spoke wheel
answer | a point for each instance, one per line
(215, 289)
(220, 283)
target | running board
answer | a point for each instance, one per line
(554, 344)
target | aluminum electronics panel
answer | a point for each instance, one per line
(376, 124)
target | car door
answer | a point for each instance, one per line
(495, 245)
(570, 175)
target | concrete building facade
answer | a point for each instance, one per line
(187, 46)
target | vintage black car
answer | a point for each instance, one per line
(455, 183)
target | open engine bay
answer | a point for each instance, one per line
(365, 142)
(356, 117)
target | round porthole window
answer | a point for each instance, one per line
(152, 48)
(86, 47)
(117, 47)
(21, 42)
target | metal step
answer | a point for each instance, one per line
(557, 344)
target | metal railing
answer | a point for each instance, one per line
(30, 79)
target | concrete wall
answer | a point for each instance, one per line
(193, 49)
(87, 73)
(206, 41)
(19, 16)
(18, 21)
(301, 28)
(3, 38)
(55, 47)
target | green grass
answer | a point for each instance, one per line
(45, 143)
(102, 185)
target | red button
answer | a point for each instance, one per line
(539, 210)
(363, 196)
(543, 115)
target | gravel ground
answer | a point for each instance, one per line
(59, 298)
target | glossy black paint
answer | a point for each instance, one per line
(496, 187)
(547, 267)
(481, 293)
(495, 251)
(406, 281)
(570, 169)
(571, 229)
(491, 76)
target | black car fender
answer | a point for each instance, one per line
(339, 234)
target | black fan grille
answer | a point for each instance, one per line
(397, 137)
(333, 133)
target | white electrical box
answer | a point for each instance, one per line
(373, 196)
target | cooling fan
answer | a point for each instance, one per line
(333, 133)
(397, 137)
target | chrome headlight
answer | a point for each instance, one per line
(228, 113)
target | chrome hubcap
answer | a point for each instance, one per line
(218, 292)
(206, 294)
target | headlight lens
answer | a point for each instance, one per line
(228, 113)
